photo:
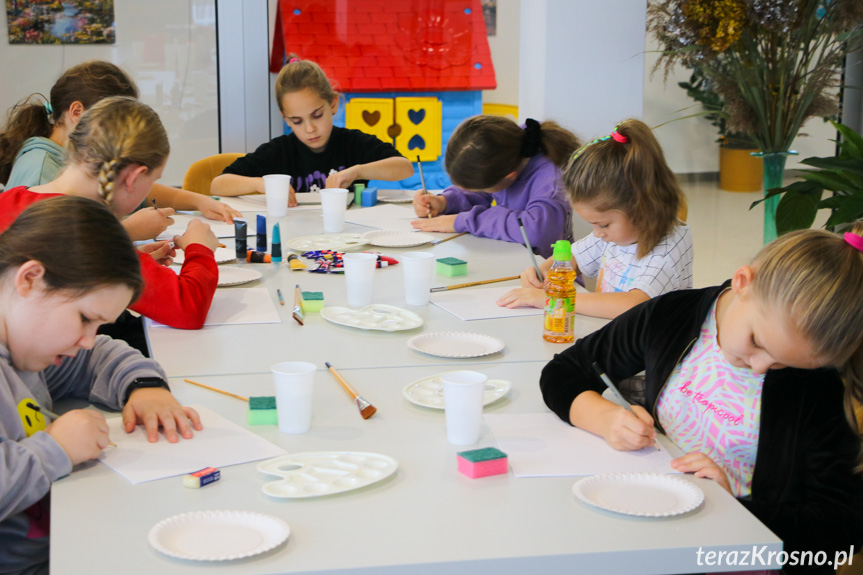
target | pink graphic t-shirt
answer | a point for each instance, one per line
(708, 405)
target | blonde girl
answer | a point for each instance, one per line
(66, 266)
(118, 150)
(623, 187)
(33, 143)
(501, 173)
(753, 380)
(315, 154)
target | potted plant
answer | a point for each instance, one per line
(739, 170)
(840, 176)
(774, 63)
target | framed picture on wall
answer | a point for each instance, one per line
(489, 12)
(55, 22)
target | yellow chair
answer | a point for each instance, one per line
(200, 174)
(500, 110)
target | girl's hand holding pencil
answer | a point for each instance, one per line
(162, 252)
(428, 205)
(148, 223)
(82, 433)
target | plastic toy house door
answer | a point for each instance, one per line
(421, 122)
(370, 115)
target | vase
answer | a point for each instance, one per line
(774, 172)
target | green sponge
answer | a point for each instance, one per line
(313, 301)
(451, 267)
(262, 411)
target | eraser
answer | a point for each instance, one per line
(201, 478)
(262, 411)
(369, 197)
(451, 267)
(312, 301)
(482, 462)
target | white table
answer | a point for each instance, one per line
(238, 349)
(425, 519)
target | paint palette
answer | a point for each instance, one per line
(335, 242)
(315, 474)
(378, 317)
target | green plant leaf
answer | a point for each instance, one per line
(835, 164)
(850, 209)
(833, 181)
(852, 142)
(796, 211)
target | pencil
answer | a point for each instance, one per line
(610, 385)
(366, 409)
(281, 299)
(217, 390)
(479, 283)
(423, 180)
(529, 250)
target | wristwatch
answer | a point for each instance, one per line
(142, 382)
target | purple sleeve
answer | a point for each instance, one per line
(459, 200)
(539, 203)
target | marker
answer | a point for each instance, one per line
(281, 299)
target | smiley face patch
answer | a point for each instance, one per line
(31, 418)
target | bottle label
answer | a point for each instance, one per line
(560, 315)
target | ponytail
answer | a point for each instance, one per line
(627, 171)
(483, 150)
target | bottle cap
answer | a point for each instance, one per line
(562, 251)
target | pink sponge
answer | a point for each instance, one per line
(482, 462)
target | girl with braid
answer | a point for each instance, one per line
(502, 173)
(116, 153)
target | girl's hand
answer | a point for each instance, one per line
(157, 407)
(197, 233)
(82, 433)
(522, 297)
(626, 431)
(215, 210)
(438, 224)
(148, 223)
(162, 252)
(530, 279)
(702, 466)
(292, 198)
(426, 205)
(344, 178)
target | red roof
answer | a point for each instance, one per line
(388, 45)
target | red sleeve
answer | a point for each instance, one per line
(183, 300)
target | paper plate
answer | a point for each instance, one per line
(336, 242)
(396, 239)
(222, 255)
(456, 344)
(396, 196)
(428, 391)
(324, 473)
(643, 494)
(231, 276)
(377, 317)
(218, 535)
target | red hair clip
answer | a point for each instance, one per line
(618, 137)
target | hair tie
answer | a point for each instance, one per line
(294, 59)
(532, 136)
(854, 241)
(49, 110)
(618, 137)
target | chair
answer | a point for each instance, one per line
(200, 174)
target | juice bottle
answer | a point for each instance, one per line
(560, 297)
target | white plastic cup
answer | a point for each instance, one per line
(463, 393)
(294, 382)
(277, 188)
(334, 202)
(418, 269)
(360, 277)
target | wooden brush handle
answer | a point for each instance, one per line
(222, 391)
(344, 383)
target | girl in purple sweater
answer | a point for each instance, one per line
(501, 173)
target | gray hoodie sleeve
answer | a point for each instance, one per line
(102, 374)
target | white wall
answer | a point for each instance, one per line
(167, 46)
(504, 48)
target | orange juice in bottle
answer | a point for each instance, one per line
(560, 296)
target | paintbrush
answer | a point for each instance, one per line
(448, 239)
(469, 284)
(366, 409)
(298, 305)
(423, 180)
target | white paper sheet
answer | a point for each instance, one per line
(239, 305)
(221, 443)
(541, 445)
(479, 303)
(383, 217)
(221, 229)
(258, 202)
